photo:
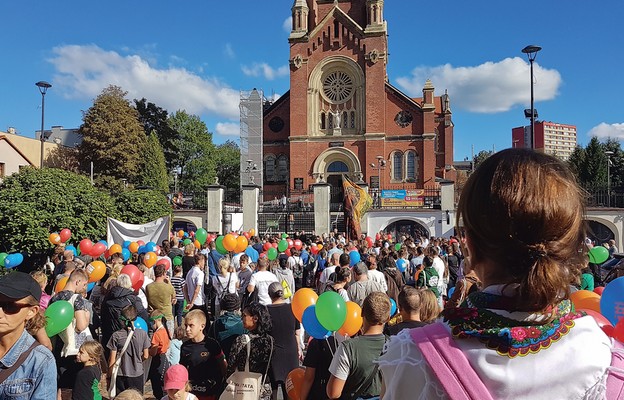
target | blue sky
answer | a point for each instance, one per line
(197, 55)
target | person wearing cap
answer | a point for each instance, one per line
(27, 368)
(229, 325)
(177, 384)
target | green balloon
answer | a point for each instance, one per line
(331, 310)
(598, 255)
(282, 245)
(2, 257)
(177, 260)
(58, 315)
(219, 245)
(201, 235)
(397, 246)
(272, 253)
(284, 235)
(187, 242)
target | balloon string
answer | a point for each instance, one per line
(332, 351)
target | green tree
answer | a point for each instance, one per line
(36, 202)
(141, 206)
(196, 156)
(228, 164)
(154, 119)
(113, 138)
(617, 162)
(576, 161)
(594, 172)
(154, 172)
(481, 156)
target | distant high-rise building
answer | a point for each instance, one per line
(550, 137)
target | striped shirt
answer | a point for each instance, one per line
(178, 283)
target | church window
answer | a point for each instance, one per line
(345, 119)
(410, 165)
(337, 166)
(269, 168)
(338, 87)
(397, 166)
(352, 120)
(330, 121)
(282, 168)
(323, 120)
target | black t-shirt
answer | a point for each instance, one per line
(319, 356)
(86, 385)
(201, 359)
(395, 329)
(188, 262)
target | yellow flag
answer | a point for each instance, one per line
(361, 200)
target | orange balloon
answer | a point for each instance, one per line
(114, 249)
(150, 259)
(133, 247)
(319, 247)
(241, 244)
(60, 285)
(229, 242)
(54, 238)
(354, 320)
(252, 232)
(180, 233)
(197, 244)
(588, 303)
(96, 270)
(302, 299)
(294, 381)
(580, 295)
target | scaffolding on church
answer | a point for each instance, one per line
(251, 113)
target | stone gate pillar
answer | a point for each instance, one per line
(250, 207)
(322, 217)
(215, 208)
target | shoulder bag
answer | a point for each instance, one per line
(246, 385)
(72, 339)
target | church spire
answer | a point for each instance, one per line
(374, 13)
(300, 12)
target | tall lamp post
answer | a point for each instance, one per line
(609, 154)
(531, 52)
(43, 89)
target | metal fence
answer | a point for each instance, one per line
(289, 222)
(280, 200)
(602, 197)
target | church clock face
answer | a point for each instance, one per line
(276, 124)
(403, 118)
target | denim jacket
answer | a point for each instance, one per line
(35, 379)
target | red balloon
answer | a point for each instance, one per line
(65, 234)
(600, 319)
(287, 252)
(97, 250)
(599, 290)
(136, 276)
(266, 246)
(165, 261)
(274, 245)
(378, 237)
(290, 243)
(140, 242)
(618, 332)
(608, 330)
(314, 249)
(247, 235)
(263, 255)
(298, 244)
(85, 246)
(369, 241)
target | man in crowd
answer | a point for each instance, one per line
(161, 295)
(409, 308)
(362, 286)
(195, 298)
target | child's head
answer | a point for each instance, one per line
(90, 352)
(177, 270)
(156, 317)
(129, 394)
(176, 381)
(41, 278)
(180, 332)
(429, 307)
(376, 308)
(129, 314)
(195, 322)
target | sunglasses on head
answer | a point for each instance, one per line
(11, 307)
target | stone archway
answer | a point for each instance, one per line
(340, 154)
(408, 226)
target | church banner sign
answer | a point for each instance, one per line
(403, 198)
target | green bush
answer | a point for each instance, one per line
(142, 205)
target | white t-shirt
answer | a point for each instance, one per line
(189, 396)
(146, 281)
(262, 280)
(195, 278)
(220, 282)
(378, 276)
(326, 273)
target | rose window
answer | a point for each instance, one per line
(338, 87)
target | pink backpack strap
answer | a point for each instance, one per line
(449, 364)
(615, 379)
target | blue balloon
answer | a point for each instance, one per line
(393, 307)
(186, 234)
(312, 325)
(104, 243)
(90, 286)
(450, 292)
(401, 264)
(13, 260)
(125, 254)
(126, 244)
(142, 249)
(612, 300)
(72, 248)
(150, 246)
(140, 323)
(354, 257)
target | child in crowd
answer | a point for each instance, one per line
(158, 351)
(177, 384)
(173, 354)
(203, 358)
(87, 382)
(177, 281)
(128, 371)
(42, 280)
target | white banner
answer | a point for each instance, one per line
(153, 231)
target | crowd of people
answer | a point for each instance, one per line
(484, 312)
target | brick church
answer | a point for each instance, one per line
(343, 116)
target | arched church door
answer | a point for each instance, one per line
(335, 170)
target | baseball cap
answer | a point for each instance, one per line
(176, 377)
(18, 285)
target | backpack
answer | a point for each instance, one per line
(391, 283)
(428, 278)
(309, 270)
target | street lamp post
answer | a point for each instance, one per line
(43, 88)
(609, 154)
(531, 52)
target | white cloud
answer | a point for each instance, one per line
(287, 24)
(83, 71)
(487, 88)
(229, 51)
(604, 130)
(227, 129)
(265, 70)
